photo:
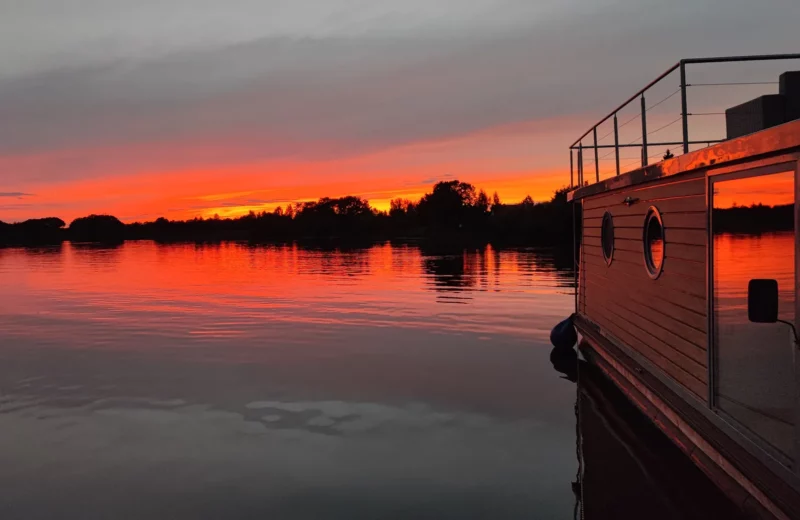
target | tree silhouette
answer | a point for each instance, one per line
(482, 202)
(97, 228)
(447, 206)
(35, 231)
(496, 200)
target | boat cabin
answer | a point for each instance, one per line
(687, 278)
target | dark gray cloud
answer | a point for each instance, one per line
(443, 177)
(354, 78)
(255, 202)
(15, 194)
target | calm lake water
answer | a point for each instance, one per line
(232, 381)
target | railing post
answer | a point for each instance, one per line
(616, 141)
(571, 171)
(644, 133)
(684, 109)
(596, 160)
(580, 164)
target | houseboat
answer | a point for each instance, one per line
(687, 278)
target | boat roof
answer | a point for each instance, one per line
(775, 141)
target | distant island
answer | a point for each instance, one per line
(452, 211)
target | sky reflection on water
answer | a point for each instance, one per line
(199, 381)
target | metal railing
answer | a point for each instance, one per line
(578, 148)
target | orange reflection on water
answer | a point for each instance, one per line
(235, 289)
(740, 258)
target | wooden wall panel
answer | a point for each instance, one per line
(691, 237)
(663, 320)
(683, 220)
(676, 189)
(690, 204)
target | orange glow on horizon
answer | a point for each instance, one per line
(769, 190)
(170, 196)
(152, 182)
(510, 190)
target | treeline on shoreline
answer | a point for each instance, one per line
(452, 211)
(754, 219)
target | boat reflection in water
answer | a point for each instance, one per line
(627, 468)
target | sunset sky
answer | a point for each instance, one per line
(184, 108)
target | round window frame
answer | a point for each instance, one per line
(653, 271)
(607, 217)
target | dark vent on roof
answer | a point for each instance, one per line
(766, 111)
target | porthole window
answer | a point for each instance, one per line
(607, 237)
(653, 243)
